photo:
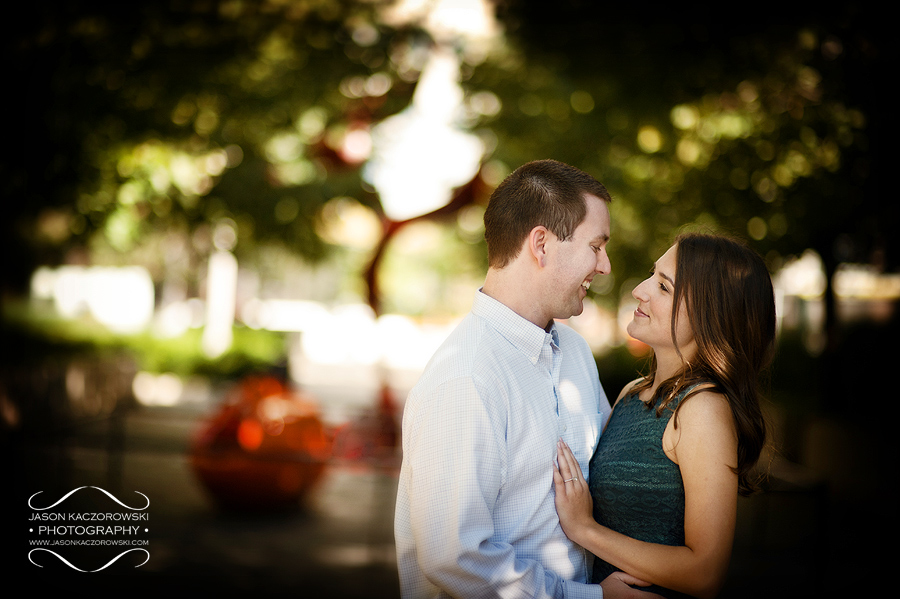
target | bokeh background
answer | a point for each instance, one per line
(234, 231)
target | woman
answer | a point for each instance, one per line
(682, 441)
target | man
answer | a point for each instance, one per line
(475, 511)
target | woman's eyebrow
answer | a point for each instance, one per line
(668, 278)
(663, 275)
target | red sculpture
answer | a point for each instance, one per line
(264, 449)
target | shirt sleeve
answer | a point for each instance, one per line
(455, 457)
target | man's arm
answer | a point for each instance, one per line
(615, 586)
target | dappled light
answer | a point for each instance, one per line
(421, 154)
(118, 298)
(151, 389)
(238, 231)
(345, 222)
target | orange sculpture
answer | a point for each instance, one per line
(264, 449)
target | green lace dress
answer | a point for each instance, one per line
(637, 490)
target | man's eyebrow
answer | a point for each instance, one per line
(601, 239)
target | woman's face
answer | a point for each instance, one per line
(652, 322)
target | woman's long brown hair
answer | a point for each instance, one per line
(731, 306)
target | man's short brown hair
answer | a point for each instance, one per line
(542, 192)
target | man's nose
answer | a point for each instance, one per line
(604, 267)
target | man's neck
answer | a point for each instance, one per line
(517, 291)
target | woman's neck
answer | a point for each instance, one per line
(668, 365)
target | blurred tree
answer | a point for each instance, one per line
(766, 128)
(131, 118)
(150, 117)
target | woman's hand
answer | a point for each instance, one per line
(573, 498)
(575, 508)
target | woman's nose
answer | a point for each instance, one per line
(639, 292)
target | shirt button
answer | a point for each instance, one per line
(562, 428)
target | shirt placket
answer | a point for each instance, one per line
(556, 354)
(551, 360)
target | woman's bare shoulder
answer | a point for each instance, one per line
(706, 408)
(703, 428)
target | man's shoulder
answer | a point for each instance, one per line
(473, 335)
(570, 339)
(464, 353)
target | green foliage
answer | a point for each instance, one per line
(136, 118)
(763, 130)
(40, 337)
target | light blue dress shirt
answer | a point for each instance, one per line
(475, 513)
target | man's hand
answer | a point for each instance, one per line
(615, 586)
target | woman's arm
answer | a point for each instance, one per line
(704, 445)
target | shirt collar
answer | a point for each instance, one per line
(521, 332)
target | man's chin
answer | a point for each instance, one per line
(576, 311)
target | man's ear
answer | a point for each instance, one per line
(537, 244)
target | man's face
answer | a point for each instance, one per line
(574, 263)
